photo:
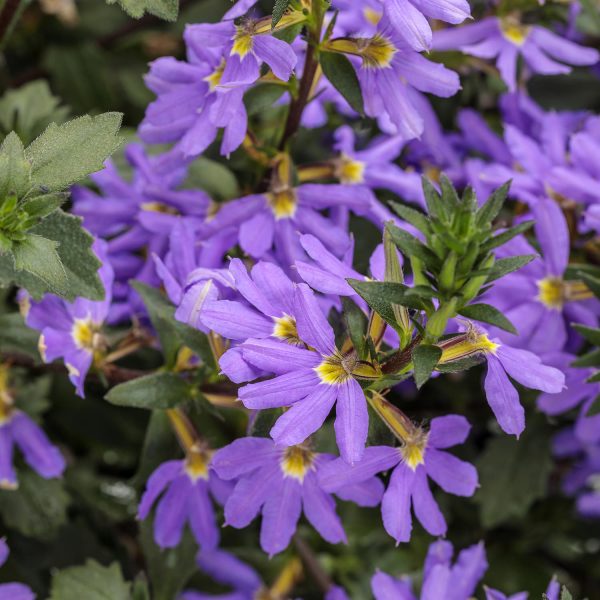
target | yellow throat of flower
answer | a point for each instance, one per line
(6, 400)
(243, 42)
(214, 79)
(376, 52)
(514, 31)
(468, 344)
(413, 448)
(283, 203)
(555, 291)
(296, 462)
(284, 328)
(197, 462)
(350, 171)
(372, 16)
(335, 370)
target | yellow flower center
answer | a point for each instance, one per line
(214, 79)
(84, 333)
(350, 171)
(376, 52)
(296, 462)
(196, 463)
(283, 203)
(555, 291)
(463, 346)
(335, 370)
(285, 329)
(413, 448)
(158, 207)
(514, 31)
(242, 42)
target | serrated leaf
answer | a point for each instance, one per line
(45, 204)
(91, 581)
(489, 211)
(341, 74)
(487, 314)
(164, 9)
(505, 236)
(504, 266)
(66, 153)
(412, 216)
(410, 246)
(425, 358)
(79, 262)
(38, 508)
(28, 110)
(514, 474)
(15, 170)
(158, 390)
(172, 333)
(38, 255)
(278, 11)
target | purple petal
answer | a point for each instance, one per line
(448, 431)
(229, 570)
(410, 23)
(312, 326)
(277, 54)
(172, 512)
(242, 456)
(553, 235)
(352, 421)
(202, 516)
(15, 591)
(395, 506)
(280, 516)
(279, 357)
(386, 587)
(256, 234)
(319, 508)
(283, 390)
(425, 507)
(365, 493)
(453, 475)
(305, 416)
(503, 398)
(235, 321)
(526, 368)
(156, 484)
(8, 476)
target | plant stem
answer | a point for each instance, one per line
(400, 359)
(10, 11)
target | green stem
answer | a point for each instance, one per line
(10, 12)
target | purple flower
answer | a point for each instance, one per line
(72, 330)
(187, 486)
(577, 392)
(537, 298)
(310, 382)
(12, 591)
(267, 224)
(506, 38)
(420, 456)
(502, 361)
(552, 592)
(189, 272)
(228, 570)
(282, 483)
(389, 73)
(441, 578)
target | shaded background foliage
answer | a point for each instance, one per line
(94, 62)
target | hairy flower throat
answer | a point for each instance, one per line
(296, 462)
(554, 292)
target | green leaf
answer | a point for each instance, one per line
(462, 364)
(591, 334)
(213, 177)
(505, 236)
(410, 246)
(489, 211)
(514, 474)
(172, 333)
(38, 255)
(341, 74)
(164, 9)
(158, 390)
(38, 508)
(425, 358)
(356, 325)
(79, 262)
(591, 359)
(504, 266)
(15, 336)
(263, 421)
(487, 314)
(412, 216)
(565, 594)
(41, 206)
(592, 282)
(64, 154)
(594, 408)
(435, 206)
(261, 97)
(15, 170)
(278, 11)
(28, 110)
(91, 581)
(168, 569)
